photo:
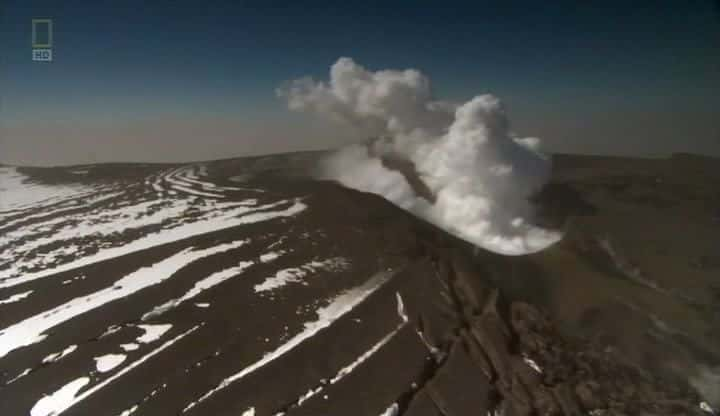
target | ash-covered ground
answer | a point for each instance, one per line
(245, 287)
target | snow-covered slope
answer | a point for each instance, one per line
(239, 287)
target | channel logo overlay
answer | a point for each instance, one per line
(42, 40)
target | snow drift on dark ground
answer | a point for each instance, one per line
(479, 173)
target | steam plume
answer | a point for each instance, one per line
(477, 176)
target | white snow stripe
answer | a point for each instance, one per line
(343, 372)
(349, 368)
(401, 307)
(295, 274)
(59, 355)
(128, 412)
(230, 218)
(19, 376)
(200, 286)
(367, 354)
(16, 297)
(206, 283)
(195, 192)
(31, 330)
(338, 307)
(124, 371)
(89, 200)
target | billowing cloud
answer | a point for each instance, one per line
(478, 177)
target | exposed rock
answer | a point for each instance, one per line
(449, 388)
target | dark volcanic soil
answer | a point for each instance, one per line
(242, 287)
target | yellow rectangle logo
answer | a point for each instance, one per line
(42, 33)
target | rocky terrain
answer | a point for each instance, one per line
(245, 287)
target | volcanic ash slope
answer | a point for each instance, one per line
(237, 287)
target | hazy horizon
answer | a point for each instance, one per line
(181, 81)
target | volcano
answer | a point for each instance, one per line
(247, 287)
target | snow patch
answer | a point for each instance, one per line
(401, 307)
(16, 297)
(216, 217)
(204, 284)
(152, 332)
(326, 315)
(129, 411)
(367, 354)
(107, 362)
(20, 191)
(393, 410)
(273, 255)
(19, 376)
(59, 355)
(295, 274)
(55, 403)
(532, 364)
(30, 330)
(74, 400)
(706, 408)
(310, 393)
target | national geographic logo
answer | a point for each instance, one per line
(42, 40)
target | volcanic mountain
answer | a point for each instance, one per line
(246, 287)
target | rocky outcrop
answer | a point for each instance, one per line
(500, 357)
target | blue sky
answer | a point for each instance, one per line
(189, 80)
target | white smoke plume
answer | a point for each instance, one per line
(479, 175)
